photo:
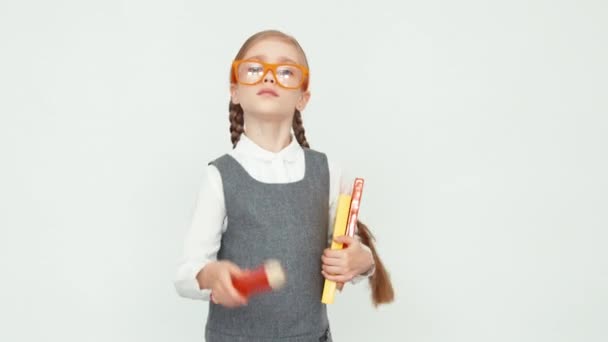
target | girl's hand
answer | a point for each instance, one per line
(217, 276)
(344, 264)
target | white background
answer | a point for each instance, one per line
(480, 129)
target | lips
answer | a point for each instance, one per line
(268, 91)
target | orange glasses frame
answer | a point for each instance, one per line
(273, 68)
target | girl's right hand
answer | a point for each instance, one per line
(217, 276)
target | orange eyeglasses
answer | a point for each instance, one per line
(287, 75)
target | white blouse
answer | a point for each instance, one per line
(209, 221)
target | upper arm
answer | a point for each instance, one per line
(207, 224)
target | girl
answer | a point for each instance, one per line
(271, 197)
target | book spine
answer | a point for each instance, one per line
(329, 288)
(354, 207)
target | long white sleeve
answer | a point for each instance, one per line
(203, 239)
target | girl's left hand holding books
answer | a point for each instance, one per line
(344, 264)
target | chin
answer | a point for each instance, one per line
(271, 111)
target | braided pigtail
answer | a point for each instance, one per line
(298, 129)
(380, 282)
(237, 126)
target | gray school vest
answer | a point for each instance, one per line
(287, 222)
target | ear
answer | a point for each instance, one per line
(234, 94)
(303, 100)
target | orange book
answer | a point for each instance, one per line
(355, 202)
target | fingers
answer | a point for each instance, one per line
(232, 297)
(334, 269)
(346, 240)
(235, 271)
(352, 260)
(228, 297)
(334, 253)
(224, 292)
(333, 261)
(337, 278)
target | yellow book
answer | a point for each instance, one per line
(329, 288)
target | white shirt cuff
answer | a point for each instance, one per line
(186, 283)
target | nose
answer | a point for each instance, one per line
(269, 77)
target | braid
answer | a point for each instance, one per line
(380, 281)
(298, 129)
(236, 122)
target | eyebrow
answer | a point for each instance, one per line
(281, 59)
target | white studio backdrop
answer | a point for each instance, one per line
(480, 128)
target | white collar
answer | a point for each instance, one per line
(249, 148)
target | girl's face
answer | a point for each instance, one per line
(268, 99)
